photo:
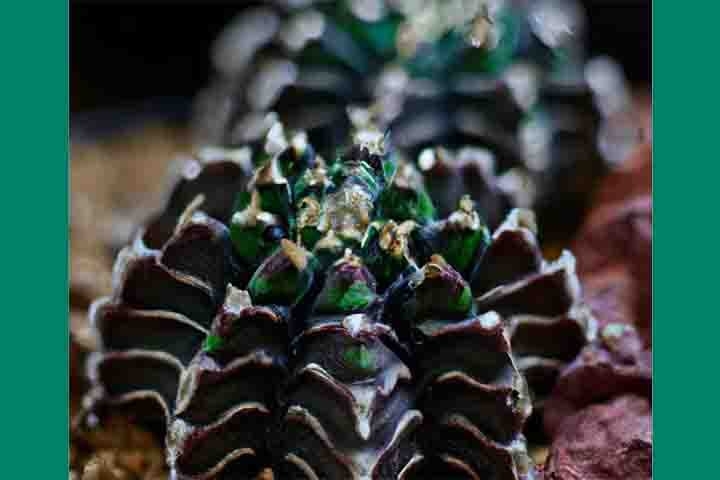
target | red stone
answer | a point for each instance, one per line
(614, 247)
(610, 441)
(615, 364)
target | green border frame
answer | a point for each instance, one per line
(686, 99)
(34, 39)
(35, 238)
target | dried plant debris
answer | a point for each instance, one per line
(322, 321)
(114, 181)
(116, 450)
(606, 441)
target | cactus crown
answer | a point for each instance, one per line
(365, 208)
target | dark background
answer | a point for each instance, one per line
(124, 53)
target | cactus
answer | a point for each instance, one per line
(323, 321)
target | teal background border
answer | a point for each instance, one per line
(686, 170)
(34, 132)
(34, 235)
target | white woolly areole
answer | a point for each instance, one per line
(489, 320)
(518, 218)
(356, 323)
(236, 300)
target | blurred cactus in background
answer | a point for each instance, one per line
(506, 78)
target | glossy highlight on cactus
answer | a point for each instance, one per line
(324, 324)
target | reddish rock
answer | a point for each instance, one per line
(611, 294)
(615, 364)
(614, 247)
(632, 179)
(610, 441)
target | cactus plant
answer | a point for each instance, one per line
(321, 320)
